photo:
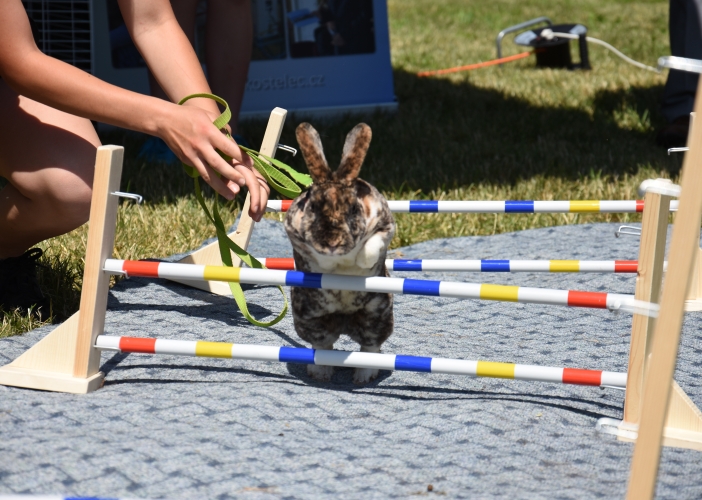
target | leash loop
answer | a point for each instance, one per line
(271, 170)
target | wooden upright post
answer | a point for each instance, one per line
(65, 360)
(683, 424)
(210, 255)
(658, 379)
(654, 229)
(693, 300)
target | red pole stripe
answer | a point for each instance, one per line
(596, 300)
(626, 266)
(135, 344)
(639, 205)
(285, 205)
(582, 377)
(282, 264)
(141, 268)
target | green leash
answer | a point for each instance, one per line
(275, 179)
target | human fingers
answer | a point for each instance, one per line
(254, 189)
(228, 189)
(262, 181)
(229, 147)
(265, 192)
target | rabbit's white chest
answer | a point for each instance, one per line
(359, 262)
(339, 264)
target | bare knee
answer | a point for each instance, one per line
(74, 207)
(60, 198)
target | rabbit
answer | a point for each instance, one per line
(340, 225)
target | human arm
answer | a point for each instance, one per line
(188, 130)
(156, 32)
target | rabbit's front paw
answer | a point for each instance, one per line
(364, 375)
(370, 253)
(320, 373)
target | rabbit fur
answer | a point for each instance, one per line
(340, 225)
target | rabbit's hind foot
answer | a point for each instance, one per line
(320, 373)
(364, 375)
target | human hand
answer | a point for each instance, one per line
(189, 132)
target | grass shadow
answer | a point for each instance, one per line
(450, 133)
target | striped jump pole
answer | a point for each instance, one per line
(378, 361)
(503, 207)
(489, 266)
(192, 272)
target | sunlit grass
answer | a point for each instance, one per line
(510, 132)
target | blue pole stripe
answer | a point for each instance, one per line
(519, 207)
(412, 363)
(296, 355)
(494, 266)
(406, 265)
(421, 287)
(424, 206)
(307, 280)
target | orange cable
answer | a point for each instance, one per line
(477, 65)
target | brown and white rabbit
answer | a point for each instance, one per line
(340, 225)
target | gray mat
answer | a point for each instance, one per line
(173, 427)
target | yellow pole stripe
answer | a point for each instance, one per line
(499, 292)
(495, 370)
(585, 206)
(564, 266)
(221, 273)
(213, 349)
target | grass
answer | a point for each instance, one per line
(511, 132)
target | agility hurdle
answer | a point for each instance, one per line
(380, 284)
(354, 359)
(502, 207)
(67, 359)
(488, 265)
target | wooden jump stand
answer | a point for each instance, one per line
(66, 359)
(683, 426)
(659, 398)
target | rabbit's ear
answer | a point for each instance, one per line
(311, 147)
(355, 149)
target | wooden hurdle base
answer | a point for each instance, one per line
(65, 360)
(683, 426)
(209, 255)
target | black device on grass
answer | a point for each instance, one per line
(551, 51)
(554, 52)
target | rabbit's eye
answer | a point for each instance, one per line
(355, 210)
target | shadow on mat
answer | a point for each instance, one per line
(298, 377)
(217, 308)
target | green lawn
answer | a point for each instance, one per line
(511, 132)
